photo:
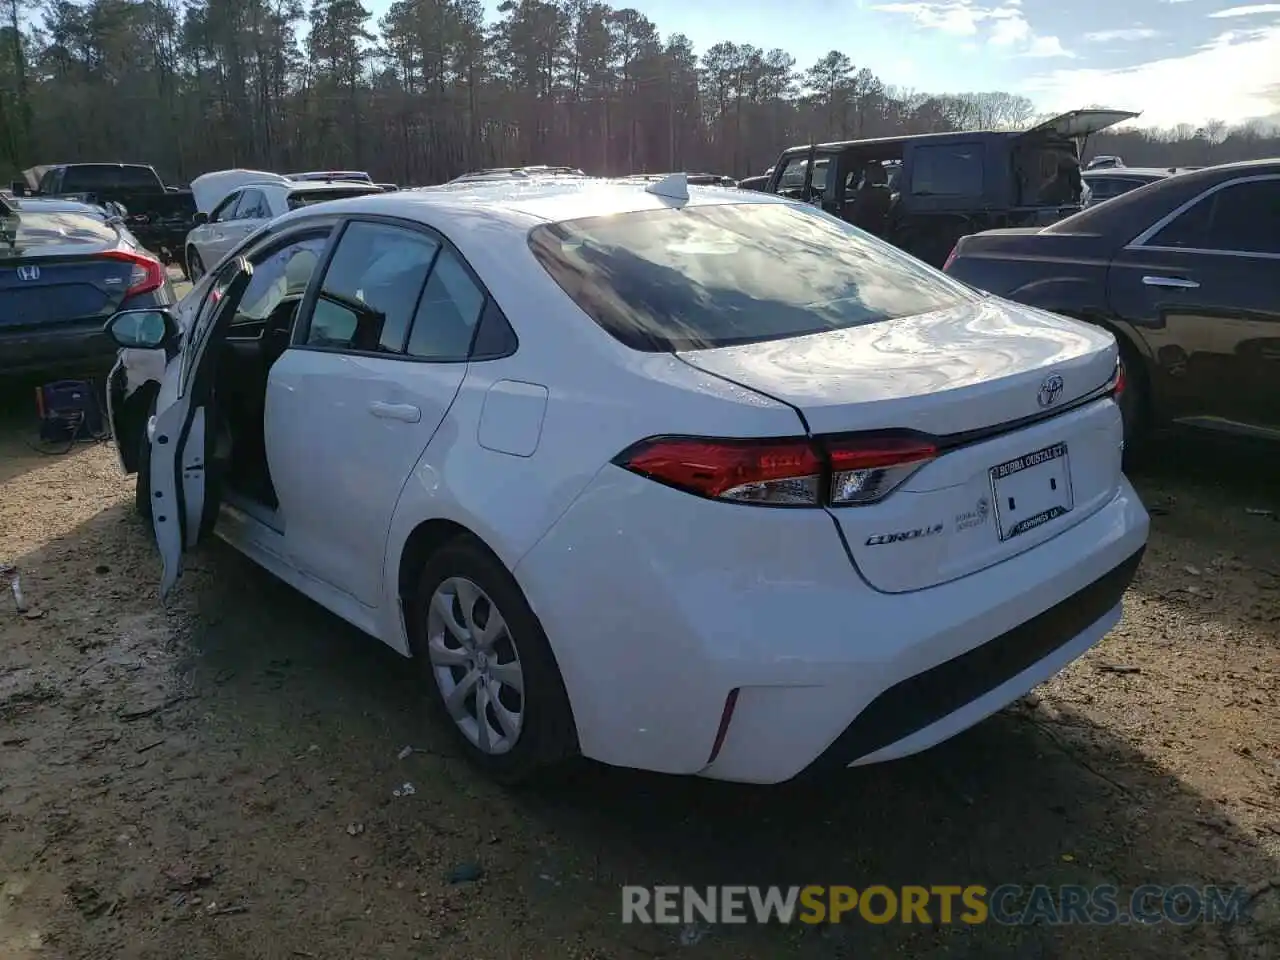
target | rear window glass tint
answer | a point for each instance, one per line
(708, 276)
(305, 198)
(106, 177)
(54, 229)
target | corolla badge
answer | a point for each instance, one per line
(1050, 391)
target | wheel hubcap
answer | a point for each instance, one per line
(476, 665)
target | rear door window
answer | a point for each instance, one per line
(1242, 218)
(954, 170)
(716, 275)
(448, 312)
(371, 289)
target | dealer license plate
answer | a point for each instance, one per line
(1031, 491)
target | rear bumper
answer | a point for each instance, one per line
(938, 703)
(659, 605)
(82, 348)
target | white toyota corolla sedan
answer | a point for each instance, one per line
(691, 480)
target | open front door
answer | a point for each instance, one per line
(184, 502)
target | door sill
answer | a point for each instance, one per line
(255, 510)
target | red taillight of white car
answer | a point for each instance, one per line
(1116, 385)
(802, 472)
(147, 273)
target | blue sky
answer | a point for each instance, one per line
(1175, 60)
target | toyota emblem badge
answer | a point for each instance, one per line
(1050, 391)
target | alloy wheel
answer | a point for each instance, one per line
(476, 665)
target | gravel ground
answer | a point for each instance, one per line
(217, 777)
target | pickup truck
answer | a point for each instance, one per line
(158, 215)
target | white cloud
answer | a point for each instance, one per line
(1045, 47)
(1133, 33)
(956, 18)
(1004, 25)
(1173, 91)
(1249, 11)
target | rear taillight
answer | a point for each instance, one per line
(147, 273)
(950, 257)
(837, 471)
(1116, 385)
(866, 470)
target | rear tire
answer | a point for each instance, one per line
(494, 683)
(1134, 405)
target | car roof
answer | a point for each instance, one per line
(522, 204)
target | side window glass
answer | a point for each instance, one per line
(1190, 228)
(1246, 218)
(951, 171)
(448, 312)
(279, 281)
(495, 337)
(793, 174)
(203, 322)
(248, 205)
(371, 289)
(226, 209)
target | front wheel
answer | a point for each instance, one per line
(489, 671)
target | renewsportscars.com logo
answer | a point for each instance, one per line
(1008, 904)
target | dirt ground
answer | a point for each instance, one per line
(221, 776)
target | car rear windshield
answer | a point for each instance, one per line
(304, 198)
(717, 275)
(108, 176)
(52, 229)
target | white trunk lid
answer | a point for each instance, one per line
(968, 376)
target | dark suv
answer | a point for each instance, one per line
(922, 193)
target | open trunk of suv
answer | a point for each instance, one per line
(1040, 151)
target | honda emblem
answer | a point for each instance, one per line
(28, 273)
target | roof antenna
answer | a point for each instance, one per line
(673, 187)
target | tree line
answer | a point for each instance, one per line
(431, 90)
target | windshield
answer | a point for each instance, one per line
(712, 276)
(33, 230)
(305, 198)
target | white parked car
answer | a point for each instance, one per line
(689, 480)
(232, 204)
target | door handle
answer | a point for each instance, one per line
(396, 411)
(1176, 282)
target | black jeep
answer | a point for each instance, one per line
(923, 193)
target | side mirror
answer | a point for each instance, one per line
(201, 218)
(18, 188)
(142, 329)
